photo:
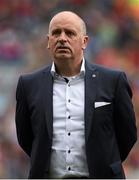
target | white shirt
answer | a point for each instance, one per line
(68, 157)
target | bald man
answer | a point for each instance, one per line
(74, 119)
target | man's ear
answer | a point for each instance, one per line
(85, 42)
(48, 47)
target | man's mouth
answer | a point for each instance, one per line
(62, 48)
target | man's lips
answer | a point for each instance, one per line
(62, 48)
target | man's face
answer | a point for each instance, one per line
(66, 39)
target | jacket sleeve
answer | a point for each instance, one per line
(22, 119)
(124, 117)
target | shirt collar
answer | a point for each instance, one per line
(82, 70)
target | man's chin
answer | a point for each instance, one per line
(62, 56)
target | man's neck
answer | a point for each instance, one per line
(68, 69)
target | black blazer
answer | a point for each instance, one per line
(110, 131)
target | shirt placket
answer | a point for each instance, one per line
(68, 128)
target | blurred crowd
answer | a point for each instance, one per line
(113, 27)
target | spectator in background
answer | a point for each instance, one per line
(74, 119)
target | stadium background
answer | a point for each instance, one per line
(113, 27)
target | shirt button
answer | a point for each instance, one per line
(69, 85)
(69, 134)
(69, 151)
(69, 168)
(69, 100)
(68, 117)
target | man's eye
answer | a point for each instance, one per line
(70, 33)
(57, 32)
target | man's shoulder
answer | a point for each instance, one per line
(103, 69)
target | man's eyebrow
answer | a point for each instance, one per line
(65, 29)
(55, 30)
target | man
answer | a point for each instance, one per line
(74, 119)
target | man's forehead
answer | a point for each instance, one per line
(65, 15)
(68, 18)
(65, 22)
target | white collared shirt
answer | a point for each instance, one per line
(68, 157)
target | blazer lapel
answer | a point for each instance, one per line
(91, 76)
(48, 99)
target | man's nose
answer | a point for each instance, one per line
(62, 37)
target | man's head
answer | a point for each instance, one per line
(67, 36)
